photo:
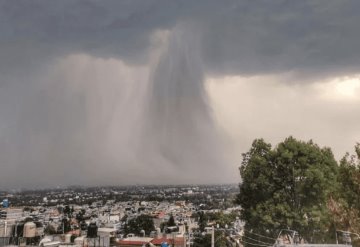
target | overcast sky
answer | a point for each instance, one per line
(156, 92)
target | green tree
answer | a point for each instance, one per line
(221, 219)
(345, 207)
(140, 223)
(171, 221)
(287, 187)
(68, 211)
(65, 226)
(50, 230)
(349, 179)
(202, 220)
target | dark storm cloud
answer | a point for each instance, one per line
(237, 36)
(275, 36)
(36, 30)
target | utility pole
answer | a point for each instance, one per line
(336, 237)
(212, 237)
(5, 228)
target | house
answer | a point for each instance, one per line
(174, 242)
(133, 242)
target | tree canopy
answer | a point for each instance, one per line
(140, 223)
(345, 205)
(169, 223)
(287, 187)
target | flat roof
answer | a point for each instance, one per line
(106, 229)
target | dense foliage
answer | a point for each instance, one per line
(169, 223)
(287, 187)
(141, 223)
(345, 205)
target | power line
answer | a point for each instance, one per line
(260, 235)
(257, 240)
(261, 245)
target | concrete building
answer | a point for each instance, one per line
(11, 213)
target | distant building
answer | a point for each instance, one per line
(11, 213)
(174, 242)
(180, 203)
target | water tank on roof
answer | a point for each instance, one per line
(92, 230)
(68, 238)
(19, 229)
(164, 244)
(29, 230)
(5, 203)
(83, 226)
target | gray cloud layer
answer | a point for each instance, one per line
(237, 36)
(58, 126)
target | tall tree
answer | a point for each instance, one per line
(202, 220)
(345, 207)
(64, 226)
(287, 187)
(171, 221)
(140, 223)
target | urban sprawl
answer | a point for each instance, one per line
(191, 215)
